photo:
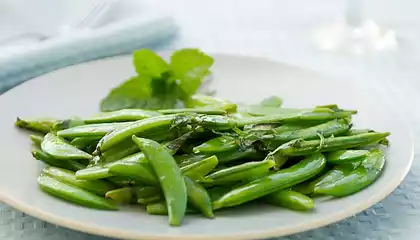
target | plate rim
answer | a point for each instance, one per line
(274, 232)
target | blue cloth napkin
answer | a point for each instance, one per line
(114, 39)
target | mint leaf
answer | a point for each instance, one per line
(189, 67)
(148, 63)
(129, 94)
(141, 92)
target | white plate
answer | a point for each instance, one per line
(77, 90)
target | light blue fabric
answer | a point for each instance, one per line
(15, 70)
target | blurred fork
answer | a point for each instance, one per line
(94, 15)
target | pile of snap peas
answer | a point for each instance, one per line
(211, 155)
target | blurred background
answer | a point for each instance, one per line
(372, 42)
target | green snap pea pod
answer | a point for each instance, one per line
(120, 166)
(68, 123)
(218, 144)
(36, 125)
(334, 127)
(139, 171)
(148, 194)
(297, 117)
(200, 100)
(272, 101)
(278, 158)
(187, 159)
(140, 127)
(331, 176)
(198, 170)
(258, 110)
(123, 115)
(36, 139)
(123, 181)
(242, 172)
(343, 156)
(121, 195)
(237, 154)
(214, 122)
(352, 132)
(265, 128)
(83, 142)
(119, 151)
(300, 172)
(293, 127)
(169, 176)
(361, 177)
(301, 147)
(74, 194)
(60, 149)
(136, 165)
(199, 198)
(96, 186)
(160, 208)
(40, 155)
(209, 111)
(290, 199)
(93, 173)
(218, 191)
(91, 130)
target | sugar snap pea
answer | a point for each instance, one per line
(198, 170)
(343, 156)
(199, 198)
(140, 127)
(200, 100)
(40, 155)
(36, 139)
(91, 130)
(187, 159)
(36, 125)
(169, 176)
(214, 122)
(60, 149)
(278, 158)
(238, 154)
(331, 176)
(300, 147)
(148, 194)
(96, 186)
(160, 208)
(139, 171)
(74, 194)
(209, 111)
(290, 199)
(123, 115)
(121, 195)
(300, 172)
(218, 144)
(243, 172)
(83, 142)
(356, 180)
(334, 127)
(296, 117)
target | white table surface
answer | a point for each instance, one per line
(281, 30)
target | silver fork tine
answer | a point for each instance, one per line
(97, 10)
